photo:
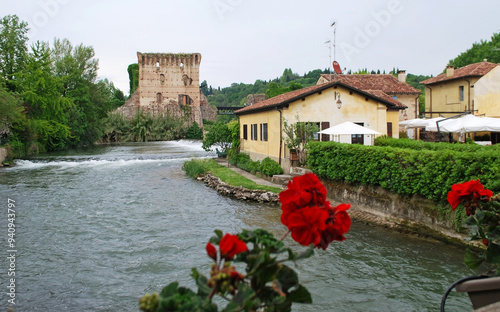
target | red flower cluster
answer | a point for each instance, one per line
(230, 245)
(309, 216)
(470, 192)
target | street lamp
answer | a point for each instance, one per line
(337, 97)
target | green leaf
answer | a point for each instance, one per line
(202, 283)
(300, 295)
(243, 300)
(169, 290)
(493, 254)
(287, 278)
(473, 260)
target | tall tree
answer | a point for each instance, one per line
(485, 49)
(13, 48)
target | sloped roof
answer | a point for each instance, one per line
(472, 70)
(385, 83)
(286, 98)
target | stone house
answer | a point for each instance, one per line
(328, 104)
(388, 84)
(473, 88)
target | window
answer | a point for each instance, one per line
(325, 125)
(389, 129)
(253, 131)
(245, 132)
(316, 134)
(358, 138)
(461, 93)
(263, 132)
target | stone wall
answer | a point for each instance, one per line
(239, 192)
(415, 214)
(169, 84)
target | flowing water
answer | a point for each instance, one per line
(96, 229)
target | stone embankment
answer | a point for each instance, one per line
(239, 192)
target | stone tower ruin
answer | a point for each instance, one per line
(169, 84)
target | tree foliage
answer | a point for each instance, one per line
(298, 135)
(63, 101)
(133, 76)
(485, 49)
(219, 135)
(13, 48)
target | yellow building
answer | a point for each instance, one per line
(473, 88)
(327, 105)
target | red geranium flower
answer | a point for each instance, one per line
(337, 224)
(469, 191)
(303, 191)
(211, 251)
(306, 225)
(231, 245)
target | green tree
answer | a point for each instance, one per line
(11, 111)
(219, 136)
(298, 135)
(194, 132)
(13, 48)
(45, 104)
(485, 49)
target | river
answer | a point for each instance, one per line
(96, 229)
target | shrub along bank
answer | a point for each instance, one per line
(406, 171)
(267, 167)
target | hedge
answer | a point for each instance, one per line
(426, 172)
(433, 146)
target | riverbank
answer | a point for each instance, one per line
(3, 155)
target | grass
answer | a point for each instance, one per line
(199, 167)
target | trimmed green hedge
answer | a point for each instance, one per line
(426, 172)
(421, 145)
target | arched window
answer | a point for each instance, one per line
(159, 98)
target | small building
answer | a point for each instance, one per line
(328, 104)
(473, 88)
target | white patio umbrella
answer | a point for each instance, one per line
(348, 128)
(418, 122)
(431, 124)
(470, 123)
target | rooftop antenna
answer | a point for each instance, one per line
(336, 66)
(334, 34)
(330, 56)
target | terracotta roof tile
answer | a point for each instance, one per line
(283, 98)
(385, 83)
(477, 69)
(289, 97)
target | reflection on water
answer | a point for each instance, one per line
(97, 229)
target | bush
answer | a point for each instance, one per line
(433, 146)
(194, 168)
(194, 132)
(270, 167)
(428, 173)
(243, 161)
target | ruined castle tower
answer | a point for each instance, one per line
(169, 84)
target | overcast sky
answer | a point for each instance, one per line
(246, 40)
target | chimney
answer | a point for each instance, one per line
(450, 70)
(402, 76)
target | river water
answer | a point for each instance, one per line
(96, 229)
